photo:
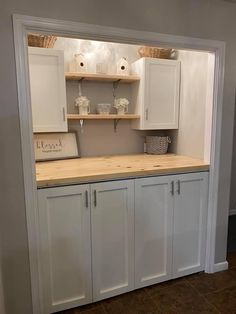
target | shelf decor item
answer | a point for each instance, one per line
(103, 108)
(101, 67)
(78, 63)
(122, 67)
(83, 104)
(157, 145)
(121, 105)
(155, 52)
(53, 146)
(43, 41)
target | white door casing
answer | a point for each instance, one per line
(24, 24)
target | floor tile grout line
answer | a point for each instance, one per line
(217, 290)
(204, 297)
(167, 286)
(104, 309)
(196, 291)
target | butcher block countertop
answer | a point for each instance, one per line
(92, 169)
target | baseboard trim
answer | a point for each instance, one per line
(232, 212)
(221, 266)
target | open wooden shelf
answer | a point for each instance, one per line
(76, 76)
(102, 117)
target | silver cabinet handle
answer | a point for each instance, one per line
(86, 199)
(146, 114)
(95, 198)
(178, 184)
(172, 188)
(64, 114)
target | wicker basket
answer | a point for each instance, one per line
(43, 41)
(157, 144)
(155, 52)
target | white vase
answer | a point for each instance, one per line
(121, 110)
(83, 110)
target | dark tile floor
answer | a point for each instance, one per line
(198, 293)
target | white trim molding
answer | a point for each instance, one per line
(232, 212)
(25, 24)
(221, 266)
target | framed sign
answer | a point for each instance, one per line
(53, 146)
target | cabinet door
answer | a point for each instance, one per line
(190, 221)
(65, 248)
(157, 94)
(153, 230)
(48, 92)
(112, 238)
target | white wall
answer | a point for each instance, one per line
(98, 137)
(194, 133)
(212, 19)
(96, 51)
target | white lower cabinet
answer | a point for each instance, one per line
(104, 239)
(170, 226)
(112, 214)
(153, 230)
(65, 243)
(190, 223)
(65, 247)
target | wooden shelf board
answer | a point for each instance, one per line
(102, 117)
(101, 77)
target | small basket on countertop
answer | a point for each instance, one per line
(155, 52)
(43, 41)
(157, 145)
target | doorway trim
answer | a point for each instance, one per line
(25, 24)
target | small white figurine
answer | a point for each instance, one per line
(122, 67)
(121, 105)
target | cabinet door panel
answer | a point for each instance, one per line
(48, 92)
(153, 230)
(190, 220)
(162, 94)
(156, 96)
(65, 250)
(112, 238)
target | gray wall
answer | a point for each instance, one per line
(212, 19)
(189, 139)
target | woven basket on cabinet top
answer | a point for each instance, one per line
(43, 41)
(155, 52)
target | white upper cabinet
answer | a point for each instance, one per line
(112, 215)
(48, 91)
(156, 96)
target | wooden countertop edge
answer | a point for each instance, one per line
(121, 175)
